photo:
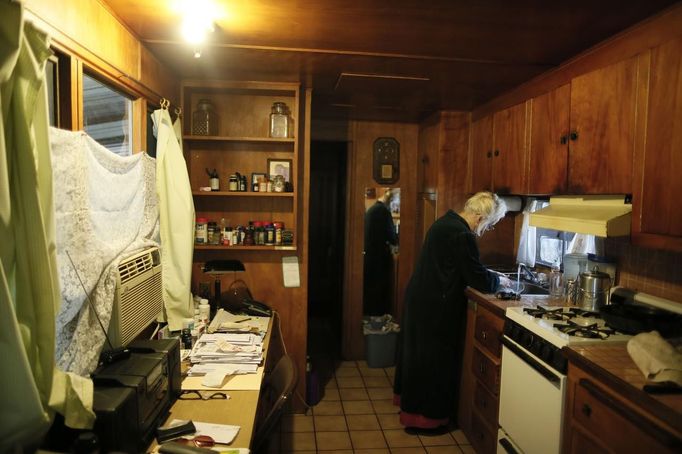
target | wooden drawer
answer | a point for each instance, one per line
(489, 330)
(486, 371)
(617, 426)
(483, 439)
(486, 404)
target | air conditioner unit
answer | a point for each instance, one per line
(139, 296)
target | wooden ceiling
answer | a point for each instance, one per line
(390, 59)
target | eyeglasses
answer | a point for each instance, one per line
(200, 441)
(198, 395)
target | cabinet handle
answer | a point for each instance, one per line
(587, 410)
(497, 152)
(484, 335)
(489, 154)
(481, 367)
(573, 135)
(563, 140)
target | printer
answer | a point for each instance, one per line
(132, 396)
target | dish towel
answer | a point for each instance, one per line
(106, 209)
(658, 360)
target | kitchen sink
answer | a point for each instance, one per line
(527, 288)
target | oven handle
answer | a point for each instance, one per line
(532, 362)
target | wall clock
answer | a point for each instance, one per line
(386, 160)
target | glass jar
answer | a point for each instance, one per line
(205, 121)
(201, 231)
(213, 233)
(270, 235)
(233, 183)
(279, 120)
(278, 183)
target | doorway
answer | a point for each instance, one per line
(328, 162)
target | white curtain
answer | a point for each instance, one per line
(176, 211)
(29, 287)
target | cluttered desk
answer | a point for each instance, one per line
(220, 393)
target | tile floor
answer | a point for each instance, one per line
(357, 415)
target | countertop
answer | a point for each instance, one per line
(498, 306)
(611, 364)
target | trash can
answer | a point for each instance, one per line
(381, 339)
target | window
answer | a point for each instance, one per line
(151, 139)
(107, 116)
(52, 85)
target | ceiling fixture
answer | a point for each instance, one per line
(198, 18)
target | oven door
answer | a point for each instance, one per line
(531, 401)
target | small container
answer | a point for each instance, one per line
(279, 120)
(242, 183)
(270, 235)
(233, 183)
(186, 338)
(213, 233)
(278, 183)
(556, 283)
(201, 231)
(204, 311)
(205, 121)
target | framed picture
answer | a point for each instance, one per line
(280, 167)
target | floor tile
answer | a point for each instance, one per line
(329, 441)
(347, 372)
(331, 394)
(350, 382)
(380, 393)
(358, 407)
(353, 394)
(297, 423)
(331, 384)
(398, 438)
(365, 439)
(390, 371)
(453, 449)
(437, 440)
(329, 407)
(362, 422)
(372, 451)
(330, 423)
(467, 449)
(369, 372)
(410, 450)
(390, 421)
(459, 437)
(342, 364)
(385, 406)
(300, 441)
(376, 382)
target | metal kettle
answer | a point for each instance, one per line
(593, 289)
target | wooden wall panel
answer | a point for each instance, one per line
(362, 136)
(453, 161)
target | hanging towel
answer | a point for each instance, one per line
(176, 211)
(658, 360)
(106, 210)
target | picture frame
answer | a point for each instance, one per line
(255, 176)
(280, 167)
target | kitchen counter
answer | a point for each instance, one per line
(611, 364)
(498, 306)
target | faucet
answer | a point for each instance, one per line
(530, 275)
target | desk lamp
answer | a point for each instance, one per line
(217, 268)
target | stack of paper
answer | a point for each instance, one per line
(225, 321)
(228, 353)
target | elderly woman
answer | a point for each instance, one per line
(434, 322)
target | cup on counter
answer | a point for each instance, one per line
(556, 283)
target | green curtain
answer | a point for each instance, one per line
(29, 286)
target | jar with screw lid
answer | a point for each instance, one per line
(205, 121)
(279, 120)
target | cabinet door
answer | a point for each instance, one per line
(509, 153)
(658, 167)
(482, 145)
(548, 151)
(602, 120)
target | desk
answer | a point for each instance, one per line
(240, 410)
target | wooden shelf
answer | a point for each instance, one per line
(241, 194)
(243, 248)
(288, 140)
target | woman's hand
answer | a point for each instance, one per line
(505, 281)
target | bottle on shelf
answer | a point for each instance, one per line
(213, 180)
(201, 231)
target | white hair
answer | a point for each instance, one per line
(489, 206)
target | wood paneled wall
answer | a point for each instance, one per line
(88, 30)
(362, 135)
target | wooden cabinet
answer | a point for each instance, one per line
(657, 221)
(499, 151)
(603, 114)
(548, 150)
(242, 145)
(599, 419)
(481, 378)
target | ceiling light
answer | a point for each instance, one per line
(198, 17)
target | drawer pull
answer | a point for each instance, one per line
(484, 335)
(587, 410)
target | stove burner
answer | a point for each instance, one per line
(559, 313)
(592, 331)
(583, 313)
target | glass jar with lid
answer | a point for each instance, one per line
(205, 121)
(279, 120)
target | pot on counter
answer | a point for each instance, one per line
(593, 290)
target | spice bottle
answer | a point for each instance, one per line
(270, 235)
(279, 120)
(213, 233)
(201, 231)
(233, 183)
